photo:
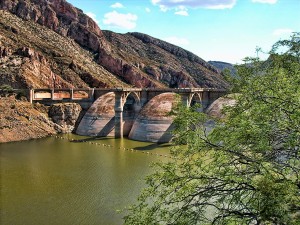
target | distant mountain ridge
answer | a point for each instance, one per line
(80, 54)
(223, 65)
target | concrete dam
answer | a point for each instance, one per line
(139, 114)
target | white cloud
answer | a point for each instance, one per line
(155, 1)
(282, 31)
(209, 4)
(177, 40)
(117, 5)
(182, 13)
(119, 20)
(265, 1)
(93, 16)
(163, 8)
(148, 10)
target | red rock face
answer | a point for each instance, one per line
(34, 63)
(34, 70)
(128, 72)
(136, 59)
(67, 20)
(61, 17)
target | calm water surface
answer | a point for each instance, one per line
(56, 181)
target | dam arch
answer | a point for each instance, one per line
(196, 98)
(99, 118)
(131, 108)
(122, 102)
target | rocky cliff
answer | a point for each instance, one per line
(100, 58)
(32, 55)
(65, 115)
(164, 62)
(61, 17)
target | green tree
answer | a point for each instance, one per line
(245, 170)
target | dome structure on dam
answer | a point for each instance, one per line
(153, 124)
(99, 119)
(216, 108)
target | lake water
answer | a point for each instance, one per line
(58, 181)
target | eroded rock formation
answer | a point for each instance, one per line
(65, 115)
(34, 56)
(31, 69)
(164, 62)
(60, 16)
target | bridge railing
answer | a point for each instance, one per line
(43, 94)
(61, 94)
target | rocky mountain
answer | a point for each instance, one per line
(223, 65)
(164, 62)
(32, 55)
(50, 43)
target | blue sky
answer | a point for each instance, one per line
(223, 30)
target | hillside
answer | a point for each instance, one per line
(223, 65)
(20, 120)
(50, 43)
(32, 55)
(164, 62)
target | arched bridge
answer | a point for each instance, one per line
(124, 98)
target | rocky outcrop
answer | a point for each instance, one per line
(66, 20)
(127, 72)
(32, 55)
(173, 49)
(37, 72)
(154, 124)
(65, 115)
(60, 16)
(21, 121)
(33, 70)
